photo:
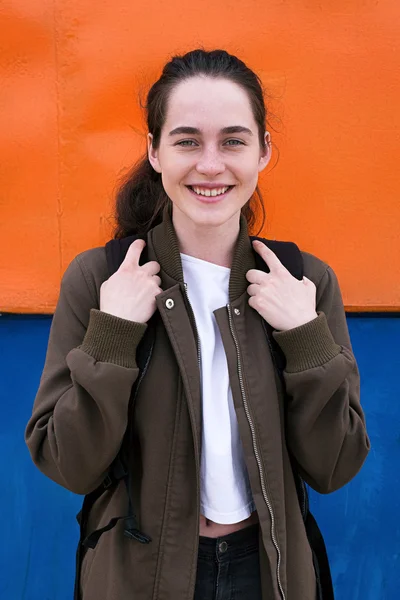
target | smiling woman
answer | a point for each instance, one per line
(197, 378)
(180, 93)
(212, 110)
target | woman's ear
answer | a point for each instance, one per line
(153, 154)
(266, 153)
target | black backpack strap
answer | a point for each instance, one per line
(115, 253)
(288, 253)
(320, 558)
(82, 517)
(290, 256)
(116, 472)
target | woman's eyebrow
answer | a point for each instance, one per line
(225, 130)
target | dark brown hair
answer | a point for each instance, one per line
(141, 197)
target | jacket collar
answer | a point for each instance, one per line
(166, 248)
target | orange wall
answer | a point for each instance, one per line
(70, 75)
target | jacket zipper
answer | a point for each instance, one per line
(193, 319)
(303, 496)
(256, 451)
(143, 373)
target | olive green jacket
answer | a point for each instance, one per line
(80, 417)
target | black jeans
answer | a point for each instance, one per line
(228, 567)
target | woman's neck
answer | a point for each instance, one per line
(213, 244)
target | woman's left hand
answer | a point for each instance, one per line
(282, 300)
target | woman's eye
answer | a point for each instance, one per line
(185, 142)
(236, 143)
(229, 143)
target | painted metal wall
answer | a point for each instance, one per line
(70, 124)
(360, 522)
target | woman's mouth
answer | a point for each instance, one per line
(210, 196)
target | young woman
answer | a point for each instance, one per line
(212, 433)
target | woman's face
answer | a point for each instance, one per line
(209, 142)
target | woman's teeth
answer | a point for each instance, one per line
(215, 192)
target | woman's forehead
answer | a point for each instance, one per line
(207, 101)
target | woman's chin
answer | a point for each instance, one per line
(212, 218)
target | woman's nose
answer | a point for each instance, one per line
(210, 162)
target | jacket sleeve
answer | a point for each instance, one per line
(326, 431)
(80, 411)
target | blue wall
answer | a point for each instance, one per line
(360, 522)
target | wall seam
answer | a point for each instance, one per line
(58, 121)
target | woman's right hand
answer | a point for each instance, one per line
(130, 293)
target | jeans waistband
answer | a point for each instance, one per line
(231, 546)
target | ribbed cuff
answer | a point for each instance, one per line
(308, 346)
(112, 339)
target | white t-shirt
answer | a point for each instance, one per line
(225, 492)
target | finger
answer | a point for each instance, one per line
(157, 280)
(152, 267)
(256, 276)
(134, 251)
(253, 289)
(268, 256)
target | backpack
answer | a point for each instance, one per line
(290, 256)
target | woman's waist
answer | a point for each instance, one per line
(210, 529)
